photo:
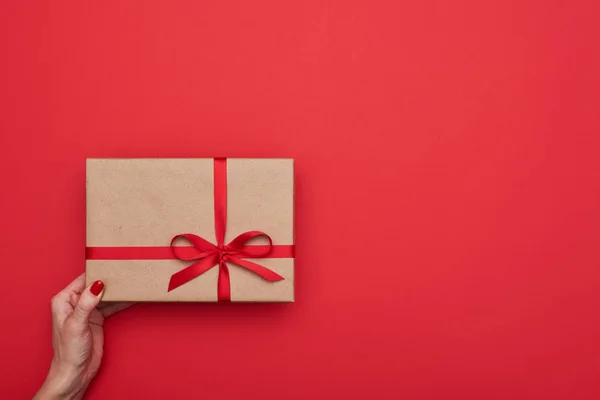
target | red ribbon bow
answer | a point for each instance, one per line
(208, 255)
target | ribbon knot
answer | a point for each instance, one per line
(222, 252)
(225, 251)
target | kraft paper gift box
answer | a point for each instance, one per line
(153, 228)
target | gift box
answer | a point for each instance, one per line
(191, 229)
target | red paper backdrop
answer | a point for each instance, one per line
(448, 187)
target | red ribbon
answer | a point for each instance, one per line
(205, 254)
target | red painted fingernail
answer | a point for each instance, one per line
(97, 288)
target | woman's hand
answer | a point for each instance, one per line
(77, 339)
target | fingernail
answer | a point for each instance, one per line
(97, 288)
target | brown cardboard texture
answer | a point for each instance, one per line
(146, 202)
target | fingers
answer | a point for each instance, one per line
(65, 295)
(88, 300)
(74, 299)
(112, 308)
(77, 285)
(62, 303)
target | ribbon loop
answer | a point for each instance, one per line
(201, 248)
(239, 244)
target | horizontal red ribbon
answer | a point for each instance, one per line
(165, 252)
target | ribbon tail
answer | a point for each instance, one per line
(224, 283)
(258, 269)
(194, 270)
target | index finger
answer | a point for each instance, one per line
(61, 303)
(76, 286)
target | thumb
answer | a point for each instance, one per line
(88, 301)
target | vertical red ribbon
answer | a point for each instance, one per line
(220, 183)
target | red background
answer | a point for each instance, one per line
(447, 190)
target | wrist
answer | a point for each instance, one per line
(62, 383)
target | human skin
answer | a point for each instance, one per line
(77, 339)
